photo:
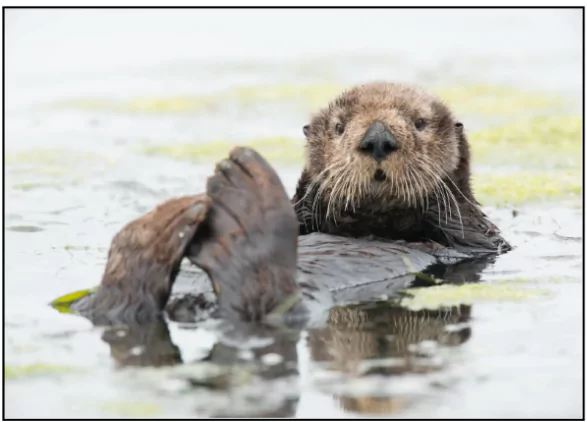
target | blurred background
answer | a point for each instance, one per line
(109, 112)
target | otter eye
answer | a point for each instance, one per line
(420, 124)
(339, 128)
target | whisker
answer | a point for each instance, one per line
(437, 189)
(457, 207)
(462, 194)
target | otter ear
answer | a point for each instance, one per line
(459, 128)
(306, 130)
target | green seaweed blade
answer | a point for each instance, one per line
(63, 303)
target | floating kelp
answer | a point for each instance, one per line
(548, 142)
(521, 187)
(36, 369)
(63, 303)
(450, 295)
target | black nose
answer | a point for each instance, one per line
(378, 142)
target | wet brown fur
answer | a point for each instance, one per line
(143, 262)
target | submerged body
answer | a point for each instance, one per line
(384, 195)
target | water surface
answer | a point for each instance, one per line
(88, 92)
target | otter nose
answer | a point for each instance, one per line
(378, 142)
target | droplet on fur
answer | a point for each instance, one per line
(246, 355)
(137, 350)
(271, 359)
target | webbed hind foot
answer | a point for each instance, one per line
(248, 244)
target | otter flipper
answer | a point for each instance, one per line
(142, 345)
(143, 263)
(474, 235)
(248, 243)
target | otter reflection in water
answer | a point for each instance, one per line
(269, 364)
(358, 340)
(377, 339)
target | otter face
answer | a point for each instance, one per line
(382, 141)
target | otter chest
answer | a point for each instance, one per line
(405, 225)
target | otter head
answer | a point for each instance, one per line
(384, 144)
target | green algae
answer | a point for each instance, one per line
(495, 100)
(131, 409)
(515, 280)
(25, 229)
(486, 100)
(172, 104)
(307, 96)
(12, 372)
(28, 186)
(76, 248)
(275, 150)
(546, 142)
(24, 348)
(63, 303)
(451, 295)
(527, 187)
(54, 168)
(54, 156)
(534, 281)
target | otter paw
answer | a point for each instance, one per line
(250, 213)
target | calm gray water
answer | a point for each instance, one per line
(76, 174)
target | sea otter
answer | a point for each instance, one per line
(384, 195)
